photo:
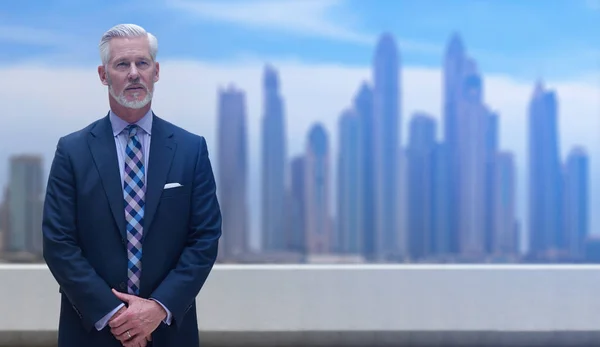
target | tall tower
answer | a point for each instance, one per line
(363, 106)
(453, 81)
(473, 119)
(545, 182)
(233, 172)
(420, 185)
(318, 218)
(25, 200)
(576, 202)
(349, 236)
(387, 117)
(273, 164)
(505, 235)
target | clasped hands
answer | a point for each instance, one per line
(134, 323)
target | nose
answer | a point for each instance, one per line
(133, 72)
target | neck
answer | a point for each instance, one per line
(130, 115)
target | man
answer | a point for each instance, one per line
(131, 219)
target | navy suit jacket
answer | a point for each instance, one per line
(84, 239)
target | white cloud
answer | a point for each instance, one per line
(32, 36)
(43, 103)
(312, 18)
(305, 17)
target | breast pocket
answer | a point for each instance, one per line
(174, 192)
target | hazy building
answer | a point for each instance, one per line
(363, 106)
(448, 185)
(420, 186)
(505, 231)
(471, 149)
(24, 205)
(349, 236)
(233, 172)
(296, 236)
(387, 120)
(273, 152)
(319, 237)
(3, 221)
(576, 202)
(545, 182)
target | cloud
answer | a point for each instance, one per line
(64, 99)
(312, 18)
(32, 36)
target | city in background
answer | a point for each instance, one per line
(468, 175)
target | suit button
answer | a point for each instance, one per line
(122, 286)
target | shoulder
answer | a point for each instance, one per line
(182, 136)
(78, 137)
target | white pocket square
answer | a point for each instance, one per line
(172, 185)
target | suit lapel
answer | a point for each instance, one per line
(102, 145)
(162, 149)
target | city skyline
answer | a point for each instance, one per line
(316, 87)
(271, 80)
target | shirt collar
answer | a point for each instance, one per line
(119, 124)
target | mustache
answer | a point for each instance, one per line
(136, 84)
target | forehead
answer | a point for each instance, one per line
(131, 48)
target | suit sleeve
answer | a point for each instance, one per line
(90, 295)
(180, 287)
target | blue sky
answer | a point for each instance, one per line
(551, 38)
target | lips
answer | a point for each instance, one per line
(135, 88)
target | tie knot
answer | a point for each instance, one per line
(131, 129)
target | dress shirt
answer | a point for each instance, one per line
(121, 138)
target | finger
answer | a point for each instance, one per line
(124, 337)
(149, 338)
(120, 319)
(135, 341)
(123, 297)
(123, 329)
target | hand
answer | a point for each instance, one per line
(134, 326)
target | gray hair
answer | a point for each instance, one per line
(126, 30)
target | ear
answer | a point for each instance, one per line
(156, 71)
(102, 73)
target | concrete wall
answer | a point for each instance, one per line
(354, 305)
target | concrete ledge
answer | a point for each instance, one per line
(354, 338)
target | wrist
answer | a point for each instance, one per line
(161, 309)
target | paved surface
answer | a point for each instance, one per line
(309, 339)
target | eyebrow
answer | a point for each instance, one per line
(117, 60)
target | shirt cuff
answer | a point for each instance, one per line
(167, 320)
(104, 320)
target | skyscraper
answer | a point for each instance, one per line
(453, 81)
(273, 164)
(505, 237)
(386, 98)
(25, 200)
(349, 235)
(318, 218)
(233, 172)
(296, 237)
(420, 186)
(576, 202)
(545, 182)
(472, 117)
(363, 106)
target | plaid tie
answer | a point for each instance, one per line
(134, 207)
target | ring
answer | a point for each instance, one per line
(128, 334)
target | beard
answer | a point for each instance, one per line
(122, 99)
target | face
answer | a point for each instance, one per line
(130, 73)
